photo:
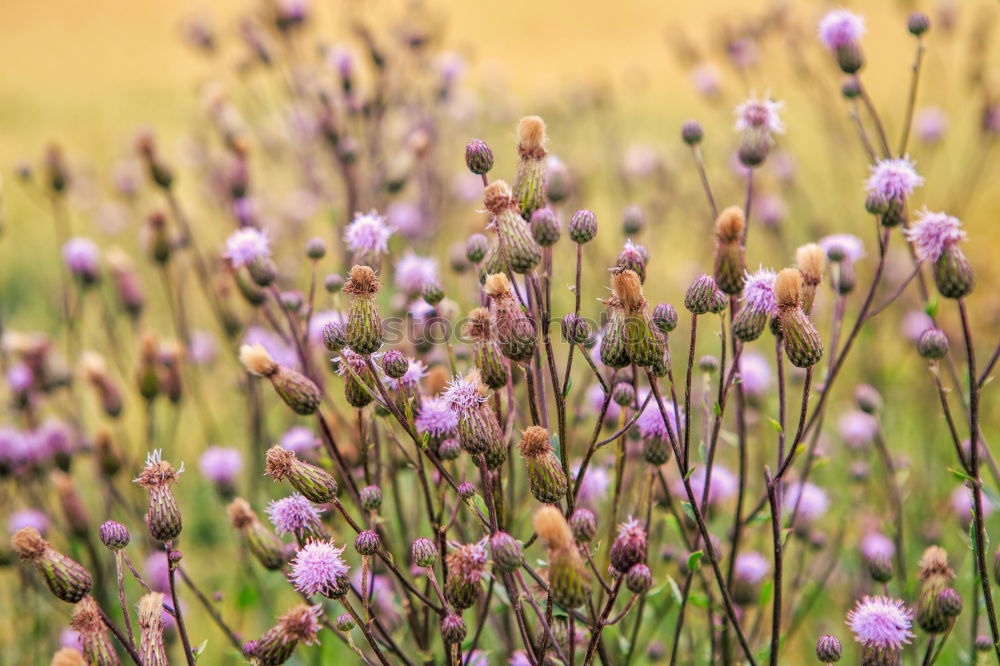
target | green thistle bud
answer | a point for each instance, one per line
(478, 157)
(629, 547)
(423, 552)
(749, 323)
(507, 552)
(151, 647)
(518, 249)
(476, 247)
(850, 89)
(730, 263)
(880, 567)
(633, 219)
(432, 292)
(582, 227)
(297, 390)
(614, 346)
(333, 283)
(933, 344)
(315, 484)
(364, 325)
(97, 647)
(665, 317)
(345, 622)
(700, 295)
(655, 450)
(493, 262)
(850, 58)
(949, 602)
(367, 543)
(65, 578)
(371, 498)
(630, 329)
(453, 628)
(267, 548)
(545, 228)
(262, 271)
(315, 248)
(953, 274)
(755, 144)
(802, 343)
(828, 649)
(163, 516)
(638, 579)
(918, 23)
(395, 364)
(583, 522)
(575, 329)
(449, 449)
(692, 133)
(515, 332)
(529, 183)
(546, 477)
(623, 394)
(558, 181)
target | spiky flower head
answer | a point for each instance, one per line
(295, 389)
(882, 626)
(812, 501)
(478, 157)
(436, 418)
(66, 579)
(569, 581)
(583, 523)
(665, 317)
(840, 247)
(367, 236)
(840, 28)
(692, 132)
(163, 515)
(318, 568)
(367, 542)
(506, 551)
(749, 569)
(466, 566)
(582, 227)
(894, 178)
(276, 646)
(638, 579)
(114, 535)
(934, 233)
(298, 516)
(545, 227)
(423, 552)
(760, 114)
(453, 628)
(88, 621)
(918, 23)
(801, 341)
(247, 246)
(476, 247)
(221, 465)
(700, 295)
(829, 649)
(464, 393)
(629, 546)
(529, 187)
(82, 259)
(633, 257)
(315, 484)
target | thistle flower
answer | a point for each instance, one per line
(315, 484)
(151, 647)
(545, 227)
(569, 580)
(453, 628)
(656, 433)
(546, 478)
(423, 552)
(94, 371)
(892, 181)
(882, 626)
(97, 647)
(247, 246)
(367, 237)
(517, 247)
(730, 263)
(936, 236)
(582, 227)
(811, 500)
(506, 551)
(318, 568)
(33, 518)
(413, 272)
(476, 247)
(298, 516)
(702, 295)
(840, 31)
(749, 569)
(809, 261)
(114, 535)
(297, 390)
(436, 418)
(82, 259)
(630, 336)
(629, 546)
(276, 646)
(486, 352)
(478, 157)
(262, 543)
(759, 305)
(583, 523)
(515, 332)
(633, 257)
(354, 391)
(857, 429)
(65, 578)
(594, 484)
(828, 649)
(466, 564)
(221, 466)
(364, 325)
(163, 516)
(529, 183)
(478, 429)
(413, 372)
(802, 343)
(757, 120)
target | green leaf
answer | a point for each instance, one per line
(717, 409)
(933, 307)
(775, 425)
(698, 600)
(694, 560)
(569, 385)
(675, 590)
(688, 509)
(554, 442)
(200, 650)
(766, 591)
(960, 475)
(480, 504)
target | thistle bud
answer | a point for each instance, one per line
(665, 317)
(918, 23)
(315, 484)
(333, 283)
(583, 522)
(692, 133)
(151, 647)
(582, 227)
(629, 546)
(828, 649)
(94, 371)
(345, 622)
(97, 647)
(367, 542)
(364, 325)
(933, 344)
(633, 219)
(449, 449)
(575, 329)
(730, 263)
(935, 576)
(423, 552)
(506, 551)
(371, 498)
(466, 490)
(755, 144)
(163, 516)
(708, 364)
(546, 478)
(465, 570)
(478, 157)
(476, 247)
(395, 364)
(634, 258)
(949, 602)
(114, 536)
(315, 248)
(629, 336)
(276, 646)
(545, 227)
(700, 295)
(262, 543)
(517, 248)
(850, 89)
(515, 332)
(623, 394)
(879, 567)
(334, 336)
(953, 273)
(298, 391)
(867, 398)
(983, 643)
(799, 337)
(529, 183)
(850, 58)
(453, 628)
(638, 579)
(66, 579)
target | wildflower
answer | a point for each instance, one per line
(755, 374)
(857, 429)
(840, 31)
(318, 568)
(936, 236)
(633, 257)
(163, 516)
(408, 219)
(82, 259)
(478, 429)
(423, 552)
(157, 570)
(97, 647)
(657, 433)
(841, 247)
(320, 321)
(730, 263)
(315, 484)
(486, 352)
(799, 337)
(809, 261)
(546, 478)
(247, 246)
(436, 418)
(453, 628)
(414, 372)
(582, 227)
(569, 581)
(364, 325)
(875, 544)
(759, 305)
(629, 546)
(914, 323)
(515, 332)
(221, 466)
(298, 516)
(367, 237)
(723, 484)
(962, 505)
(466, 565)
(630, 336)
(114, 535)
(262, 543)
(478, 157)
(892, 181)
(297, 390)
(882, 626)
(583, 523)
(276, 646)
(749, 569)
(413, 272)
(65, 578)
(706, 79)
(518, 249)
(476, 247)
(529, 183)
(828, 649)
(702, 296)
(811, 500)
(151, 647)
(935, 577)
(757, 120)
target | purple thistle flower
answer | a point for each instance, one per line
(463, 394)
(318, 567)
(14, 449)
(914, 324)
(356, 361)
(293, 514)
(421, 310)
(247, 245)
(368, 234)
(220, 465)
(436, 418)
(595, 484)
(876, 544)
(723, 484)
(299, 440)
(650, 423)
(706, 79)
(28, 518)
(758, 291)
(755, 373)
(770, 208)
(857, 429)
(930, 124)
(70, 638)
(595, 396)
(934, 233)
(414, 271)
(895, 178)
(81, 256)
(157, 571)
(881, 622)
(751, 567)
(755, 114)
(416, 371)
(20, 378)
(813, 504)
(203, 347)
(840, 28)
(844, 245)
(962, 504)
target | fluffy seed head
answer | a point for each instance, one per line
(87, 618)
(240, 513)
(729, 225)
(157, 472)
(628, 288)
(531, 137)
(300, 624)
(362, 281)
(788, 288)
(809, 259)
(257, 361)
(67, 657)
(29, 544)
(552, 527)
(934, 562)
(881, 622)
(535, 442)
(497, 286)
(497, 197)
